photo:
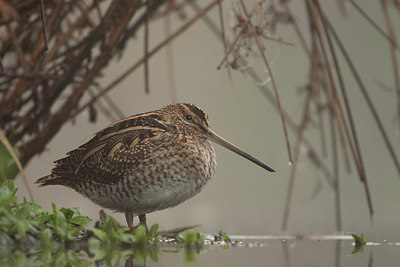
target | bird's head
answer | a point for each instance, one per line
(187, 118)
(192, 120)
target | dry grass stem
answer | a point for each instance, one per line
(373, 23)
(135, 66)
(170, 61)
(278, 101)
(43, 18)
(393, 48)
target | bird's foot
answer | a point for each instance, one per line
(142, 221)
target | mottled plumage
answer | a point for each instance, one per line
(143, 163)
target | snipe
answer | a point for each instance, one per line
(143, 163)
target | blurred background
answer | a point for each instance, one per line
(242, 198)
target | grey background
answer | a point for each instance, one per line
(242, 198)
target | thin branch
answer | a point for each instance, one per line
(239, 34)
(366, 96)
(170, 61)
(337, 108)
(335, 165)
(146, 49)
(151, 53)
(312, 153)
(343, 90)
(43, 18)
(261, 49)
(18, 49)
(393, 46)
(297, 29)
(223, 38)
(373, 23)
(111, 103)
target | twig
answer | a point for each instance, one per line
(43, 17)
(297, 29)
(146, 48)
(312, 154)
(373, 23)
(261, 49)
(315, 9)
(344, 95)
(18, 49)
(366, 96)
(335, 164)
(151, 53)
(393, 46)
(170, 61)
(117, 17)
(223, 38)
(238, 35)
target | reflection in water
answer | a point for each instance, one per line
(286, 254)
(338, 253)
(140, 259)
(168, 251)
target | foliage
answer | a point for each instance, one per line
(8, 168)
(31, 235)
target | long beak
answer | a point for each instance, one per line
(221, 141)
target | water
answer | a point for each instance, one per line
(278, 251)
(282, 250)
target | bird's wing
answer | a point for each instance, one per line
(113, 152)
(107, 162)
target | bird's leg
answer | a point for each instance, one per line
(129, 220)
(142, 221)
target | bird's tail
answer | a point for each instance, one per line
(51, 179)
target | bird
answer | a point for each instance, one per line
(146, 162)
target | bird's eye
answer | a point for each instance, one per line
(189, 117)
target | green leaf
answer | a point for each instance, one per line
(100, 254)
(10, 185)
(21, 228)
(46, 255)
(193, 238)
(8, 167)
(224, 236)
(190, 255)
(359, 243)
(59, 218)
(140, 235)
(81, 220)
(68, 213)
(45, 237)
(153, 230)
(35, 208)
(153, 254)
(7, 194)
(22, 212)
(93, 245)
(140, 257)
(22, 260)
(100, 234)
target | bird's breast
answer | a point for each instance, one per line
(166, 179)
